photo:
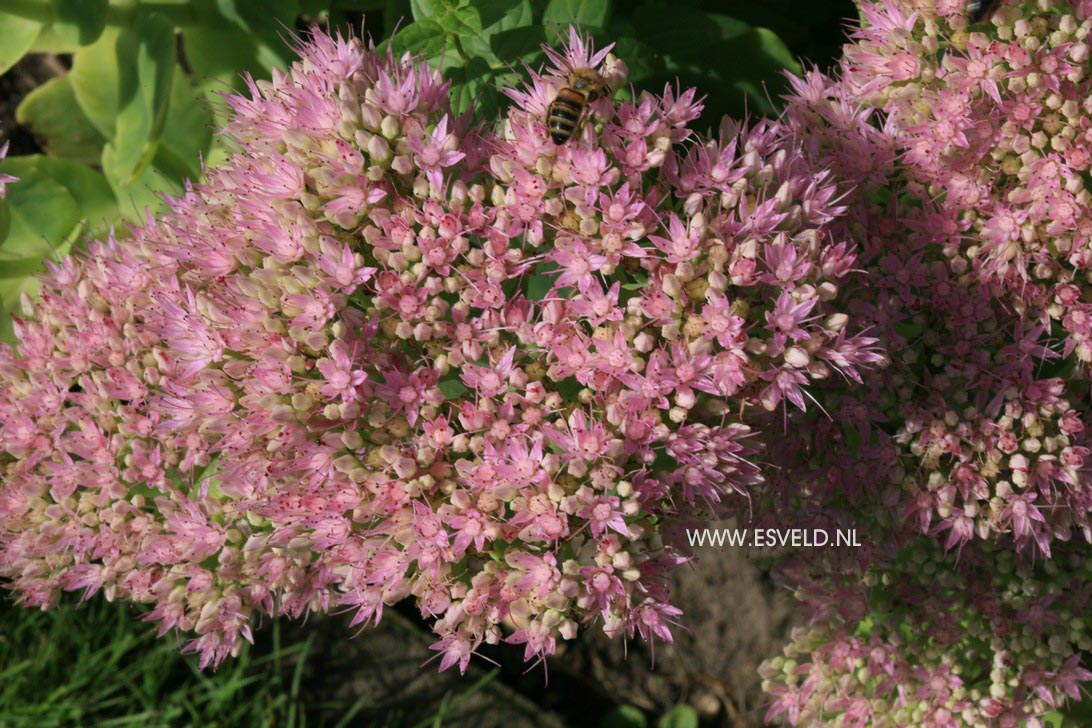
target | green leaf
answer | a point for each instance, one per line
(238, 36)
(187, 134)
(145, 193)
(1078, 713)
(465, 28)
(44, 216)
(20, 267)
(520, 45)
(146, 54)
(79, 21)
(750, 62)
(423, 37)
(94, 78)
(97, 206)
(220, 57)
(470, 84)
(52, 114)
(48, 41)
(500, 15)
(452, 388)
(43, 212)
(259, 17)
(17, 35)
(681, 716)
(582, 13)
(758, 59)
(431, 8)
(637, 56)
(624, 716)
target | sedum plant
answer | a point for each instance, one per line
(964, 148)
(393, 350)
(385, 353)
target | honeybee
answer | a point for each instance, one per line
(979, 10)
(569, 108)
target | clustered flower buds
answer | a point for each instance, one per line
(381, 354)
(965, 150)
(987, 635)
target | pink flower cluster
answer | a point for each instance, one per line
(5, 179)
(381, 354)
(961, 148)
(994, 123)
(988, 650)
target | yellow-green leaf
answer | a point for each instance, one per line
(52, 114)
(17, 35)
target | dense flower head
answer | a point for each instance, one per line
(963, 463)
(998, 642)
(983, 414)
(994, 120)
(382, 354)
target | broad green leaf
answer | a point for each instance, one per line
(519, 45)
(146, 55)
(1077, 713)
(96, 203)
(5, 219)
(501, 15)
(775, 50)
(582, 13)
(464, 26)
(48, 41)
(758, 60)
(539, 285)
(219, 57)
(266, 23)
(52, 114)
(425, 38)
(681, 716)
(187, 134)
(750, 62)
(17, 35)
(432, 8)
(79, 21)
(94, 77)
(44, 217)
(259, 17)
(145, 193)
(20, 267)
(729, 27)
(43, 213)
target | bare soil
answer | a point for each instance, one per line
(734, 617)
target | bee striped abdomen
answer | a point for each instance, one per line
(979, 10)
(565, 113)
